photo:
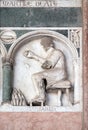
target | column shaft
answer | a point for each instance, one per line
(7, 82)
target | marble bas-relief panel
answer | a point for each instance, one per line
(46, 67)
(28, 67)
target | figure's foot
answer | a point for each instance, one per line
(37, 101)
(30, 104)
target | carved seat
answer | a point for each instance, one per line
(59, 86)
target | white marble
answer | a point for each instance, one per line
(23, 68)
(9, 108)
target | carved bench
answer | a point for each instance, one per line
(59, 86)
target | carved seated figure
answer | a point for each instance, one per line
(53, 75)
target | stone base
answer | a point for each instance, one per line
(41, 121)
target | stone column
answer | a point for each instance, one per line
(7, 82)
(77, 81)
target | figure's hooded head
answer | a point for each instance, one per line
(47, 42)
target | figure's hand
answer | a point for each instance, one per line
(29, 54)
(46, 65)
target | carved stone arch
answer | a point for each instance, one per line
(22, 40)
(3, 50)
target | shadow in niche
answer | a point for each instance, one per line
(37, 104)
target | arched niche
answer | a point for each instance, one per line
(21, 71)
(3, 54)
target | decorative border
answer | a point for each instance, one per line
(41, 3)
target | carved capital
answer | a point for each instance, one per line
(3, 60)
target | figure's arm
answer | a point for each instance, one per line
(52, 59)
(30, 54)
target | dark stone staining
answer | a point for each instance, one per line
(7, 46)
(64, 32)
(40, 17)
(21, 32)
(78, 50)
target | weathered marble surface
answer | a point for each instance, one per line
(40, 121)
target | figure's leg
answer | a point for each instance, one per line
(35, 83)
(39, 86)
(36, 79)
